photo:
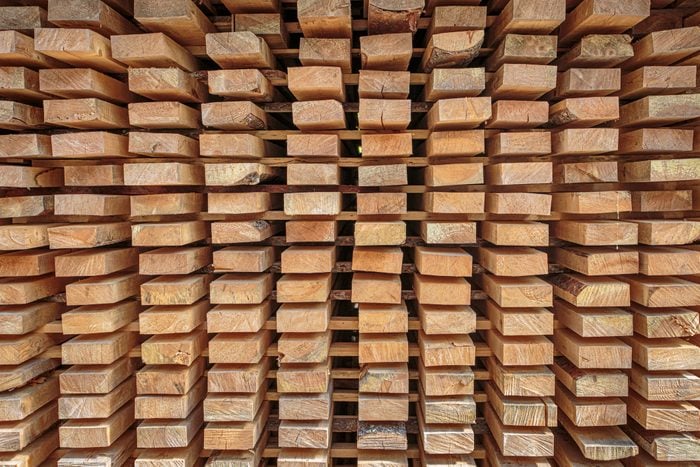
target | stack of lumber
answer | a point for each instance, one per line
(354, 232)
(306, 404)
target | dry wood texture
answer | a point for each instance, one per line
(349, 232)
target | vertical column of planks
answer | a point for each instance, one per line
(586, 307)
(97, 391)
(166, 219)
(384, 114)
(304, 383)
(589, 377)
(664, 344)
(446, 408)
(307, 396)
(237, 408)
(28, 400)
(28, 290)
(171, 386)
(236, 404)
(28, 284)
(238, 384)
(520, 410)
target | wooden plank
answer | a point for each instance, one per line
(583, 82)
(93, 175)
(583, 111)
(539, 17)
(523, 48)
(36, 453)
(23, 19)
(91, 319)
(665, 447)
(590, 382)
(163, 115)
(22, 319)
(15, 350)
(25, 145)
(586, 172)
(318, 115)
(270, 26)
(89, 144)
(519, 203)
(647, 80)
(604, 352)
(239, 49)
(242, 84)
(236, 436)
(520, 321)
(515, 233)
(451, 49)
(30, 177)
(19, 116)
(522, 81)
(168, 434)
(660, 110)
(664, 47)
(664, 322)
(598, 50)
(167, 84)
(78, 47)
(321, 19)
(445, 83)
(514, 261)
(592, 202)
(517, 292)
(187, 455)
(600, 16)
(382, 114)
(389, 16)
(103, 289)
(118, 453)
(96, 15)
(661, 291)
(326, 52)
(151, 50)
(19, 291)
(95, 379)
(581, 290)
(576, 141)
(166, 319)
(179, 349)
(181, 19)
(26, 206)
(389, 52)
(98, 349)
(20, 83)
(600, 443)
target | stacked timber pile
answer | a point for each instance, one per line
(376, 233)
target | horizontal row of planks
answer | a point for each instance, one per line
(380, 233)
